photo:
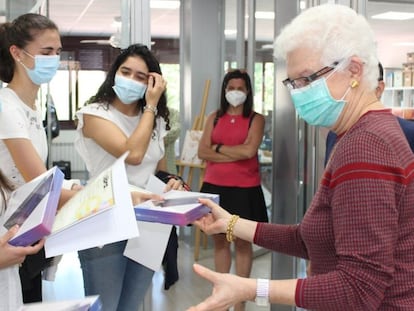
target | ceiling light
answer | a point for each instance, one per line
(267, 46)
(396, 16)
(230, 32)
(404, 44)
(264, 15)
(164, 4)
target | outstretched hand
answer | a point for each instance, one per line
(138, 197)
(214, 222)
(11, 255)
(228, 290)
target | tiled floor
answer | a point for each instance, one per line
(189, 290)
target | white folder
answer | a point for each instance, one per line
(149, 248)
(106, 224)
(89, 303)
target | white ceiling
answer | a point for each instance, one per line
(390, 33)
(95, 17)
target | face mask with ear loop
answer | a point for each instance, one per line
(235, 97)
(45, 68)
(128, 90)
(315, 104)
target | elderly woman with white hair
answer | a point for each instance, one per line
(358, 232)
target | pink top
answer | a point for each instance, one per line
(232, 130)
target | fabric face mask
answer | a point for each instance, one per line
(128, 90)
(315, 104)
(45, 68)
(236, 98)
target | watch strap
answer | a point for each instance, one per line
(262, 292)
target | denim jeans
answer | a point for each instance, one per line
(120, 282)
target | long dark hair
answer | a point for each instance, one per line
(248, 104)
(106, 94)
(5, 186)
(19, 32)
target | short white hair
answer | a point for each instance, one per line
(336, 32)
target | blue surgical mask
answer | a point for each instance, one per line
(128, 90)
(45, 68)
(315, 104)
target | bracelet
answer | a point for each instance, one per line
(153, 109)
(230, 226)
(218, 148)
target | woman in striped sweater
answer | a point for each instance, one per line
(358, 232)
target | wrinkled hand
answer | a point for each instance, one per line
(156, 86)
(228, 290)
(138, 197)
(11, 255)
(214, 222)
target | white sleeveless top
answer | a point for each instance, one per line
(97, 159)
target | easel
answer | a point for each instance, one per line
(197, 125)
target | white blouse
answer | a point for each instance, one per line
(97, 159)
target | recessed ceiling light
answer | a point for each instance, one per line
(404, 44)
(164, 4)
(391, 15)
(264, 15)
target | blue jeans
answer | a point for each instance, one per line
(120, 282)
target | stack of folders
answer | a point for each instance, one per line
(177, 208)
(33, 206)
(99, 214)
(90, 303)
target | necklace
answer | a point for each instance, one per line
(233, 118)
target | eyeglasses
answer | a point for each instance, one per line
(304, 81)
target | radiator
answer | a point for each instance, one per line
(67, 152)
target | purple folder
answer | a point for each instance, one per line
(179, 208)
(33, 207)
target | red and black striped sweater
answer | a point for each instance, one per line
(359, 230)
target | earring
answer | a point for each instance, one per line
(354, 83)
